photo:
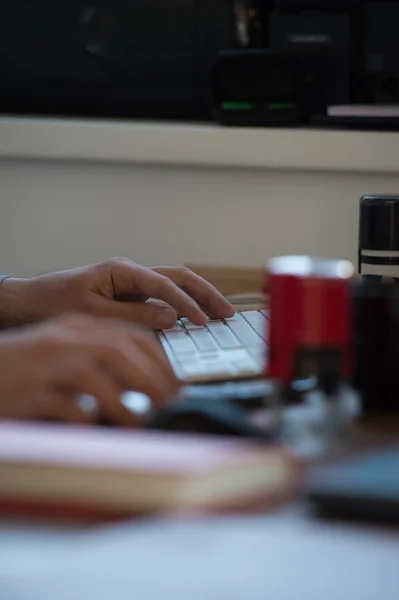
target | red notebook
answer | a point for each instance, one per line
(98, 472)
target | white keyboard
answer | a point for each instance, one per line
(222, 350)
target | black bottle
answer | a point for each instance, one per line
(379, 237)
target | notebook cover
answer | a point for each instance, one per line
(129, 451)
(119, 449)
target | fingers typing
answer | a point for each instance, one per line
(154, 285)
(206, 295)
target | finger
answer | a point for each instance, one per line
(131, 298)
(129, 345)
(204, 293)
(135, 370)
(100, 386)
(66, 409)
(58, 404)
(154, 285)
(151, 315)
(146, 341)
(156, 353)
(118, 333)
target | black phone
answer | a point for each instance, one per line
(361, 488)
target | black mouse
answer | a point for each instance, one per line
(218, 418)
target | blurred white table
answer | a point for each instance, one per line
(286, 556)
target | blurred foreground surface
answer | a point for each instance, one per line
(284, 556)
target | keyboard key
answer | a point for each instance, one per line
(243, 331)
(257, 349)
(236, 318)
(177, 327)
(174, 334)
(183, 351)
(223, 336)
(234, 355)
(259, 355)
(258, 322)
(253, 316)
(202, 369)
(245, 365)
(218, 368)
(179, 370)
(185, 323)
(180, 342)
(163, 341)
(203, 340)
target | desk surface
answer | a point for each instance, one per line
(284, 556)
(281, 557)
(199, 145)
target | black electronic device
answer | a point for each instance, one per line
(351, 50)
(215, 417)
(321, 37)
(364, 487)
(259, 87)
(251, 394)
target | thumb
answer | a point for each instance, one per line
(150, 314)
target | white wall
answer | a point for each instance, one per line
(58, 214)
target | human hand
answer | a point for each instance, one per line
(45, 368)
(117, 289)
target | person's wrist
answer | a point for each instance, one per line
(12, 302)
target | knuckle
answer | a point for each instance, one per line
(163, 278)
(163, 282)
(184, 274)
(119, 261)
